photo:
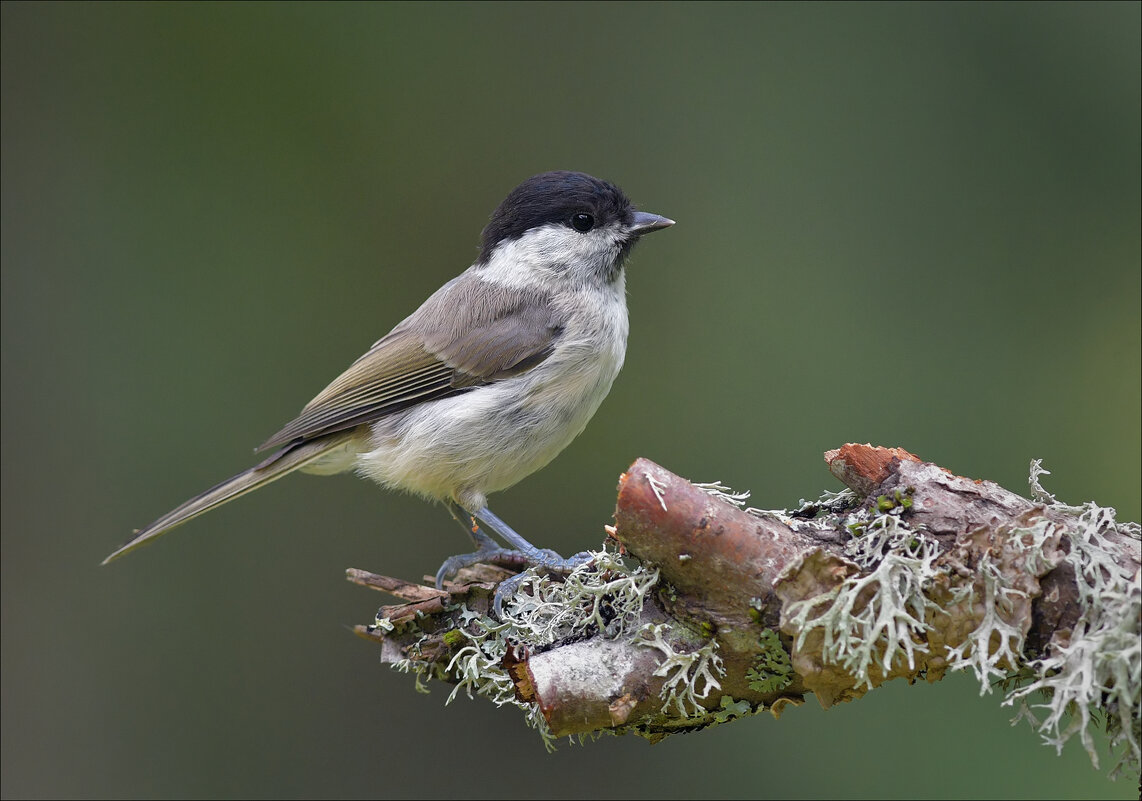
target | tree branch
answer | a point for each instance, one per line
(729, 610)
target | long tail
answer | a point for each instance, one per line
(285, 461)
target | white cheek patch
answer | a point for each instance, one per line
(552, 251)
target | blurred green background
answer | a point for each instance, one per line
(915, 225)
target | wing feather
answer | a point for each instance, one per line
(469, 333)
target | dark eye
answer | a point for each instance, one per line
(582, 222)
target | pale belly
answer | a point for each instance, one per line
(491, 437)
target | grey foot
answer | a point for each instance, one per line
(520, 554)
(489, 554)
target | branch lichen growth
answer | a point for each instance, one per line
(690, 677)
(899, 603)
(604, 596)
(1099, 667)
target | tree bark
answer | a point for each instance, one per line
(911, 573)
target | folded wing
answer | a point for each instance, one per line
(469, 333)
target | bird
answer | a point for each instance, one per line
(485, 383)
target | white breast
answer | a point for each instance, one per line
(491, 437)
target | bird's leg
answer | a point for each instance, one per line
(481, 540)
(487, 550)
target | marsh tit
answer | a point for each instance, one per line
(487, 381)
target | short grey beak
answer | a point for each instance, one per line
(643, 222)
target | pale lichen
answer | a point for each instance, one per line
(601, 596)
(899, 604)
(1001, 600)
(876, 536)
(829, 502)
(690, 676)
(419, 670)
(1097, 670)
(723, 493)
(872, 623)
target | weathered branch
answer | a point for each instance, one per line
(729, 610)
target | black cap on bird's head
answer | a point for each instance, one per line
(574, 199)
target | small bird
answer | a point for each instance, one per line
(494, 375)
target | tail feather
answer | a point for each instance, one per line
(282, 463)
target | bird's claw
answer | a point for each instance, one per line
(495, 555)
(544, 560)
(547, 561)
